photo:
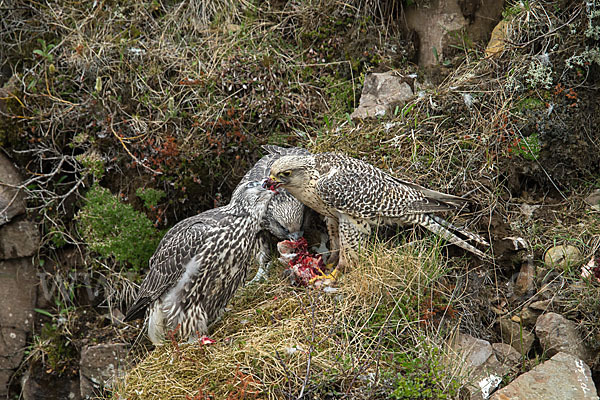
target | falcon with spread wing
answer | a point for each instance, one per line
(354, 195)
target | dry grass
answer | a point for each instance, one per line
(278, 341)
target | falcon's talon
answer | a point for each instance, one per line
(332, 276)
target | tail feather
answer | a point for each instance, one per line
(441, 227)
(473, 236)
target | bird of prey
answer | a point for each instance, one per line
(354, 195)
(199, 264)
(285, 215)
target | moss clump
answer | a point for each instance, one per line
(150, 197)
(114, 229)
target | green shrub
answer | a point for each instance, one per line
(114, 229)
(420, 376)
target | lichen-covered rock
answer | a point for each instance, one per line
(558, 334)
(18, 283)
(564, 376)
(19, 239)
(382, 92)
(562, 257)
(12, 200)
(99, 365)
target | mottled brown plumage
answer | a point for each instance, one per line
(354, 195)
(199, 265)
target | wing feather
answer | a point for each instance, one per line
(378, 195)
(185, 241)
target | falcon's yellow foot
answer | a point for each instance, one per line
(331, 277)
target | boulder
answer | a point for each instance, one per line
(441, 24)
(381, 93)
(19, 239)
(558, 334)
(99, 366)
(506, 354)
(516, 335)
(12, 200)
(36, 384)
(479, 361)
(562, 257)
(564, 376)
(18, 288)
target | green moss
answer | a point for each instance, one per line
(150, 197)
(114, 229)
(530, 103)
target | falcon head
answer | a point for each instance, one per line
(285, 217)
(252, 197)
(292, 171)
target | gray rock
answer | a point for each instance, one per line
(563, 377)
(506, 354)
(12, 200)
(36, 384)
(5, 375)
(18, 288)
(473, 352)
(562, 257)
(516, 335)
(558, 334)
(99, 365)
(19, 239)
(593, 200)
(382, 92)
(479, 362)
(437, 23)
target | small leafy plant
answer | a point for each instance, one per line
(44, 51)
(115, 229)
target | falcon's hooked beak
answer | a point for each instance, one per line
(271, 183)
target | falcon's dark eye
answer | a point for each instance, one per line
(286, 173)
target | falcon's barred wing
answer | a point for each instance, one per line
(186, 240)
(370, 195)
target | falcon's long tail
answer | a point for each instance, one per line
(443, 228)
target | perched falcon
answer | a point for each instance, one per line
(354, 195)
(285, 215)
(199, 264)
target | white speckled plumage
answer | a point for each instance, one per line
(199, 265)
(354, 195)
(285, 215)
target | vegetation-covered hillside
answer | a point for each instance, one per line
(127, 117)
